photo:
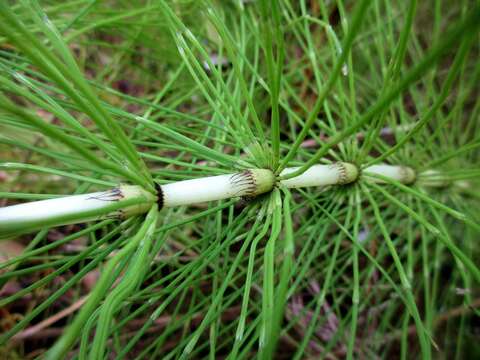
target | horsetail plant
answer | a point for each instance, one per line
(239, 179)
(125, 201)
(120, 202)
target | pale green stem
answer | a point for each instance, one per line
(120, 202)
(128, 200)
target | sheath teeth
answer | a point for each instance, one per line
(245, 182)
(160, 196)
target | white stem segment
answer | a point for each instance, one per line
(403, 174)
(339, 173)
(245, 184)
(120, 202)
(126, 200)
(434, 178)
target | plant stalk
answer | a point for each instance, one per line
(120, 202)
(339, 173)
(127, 200)
(403, 174)
(249, 183)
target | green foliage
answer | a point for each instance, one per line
(96, 93)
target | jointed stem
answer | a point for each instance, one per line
(127, 200)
